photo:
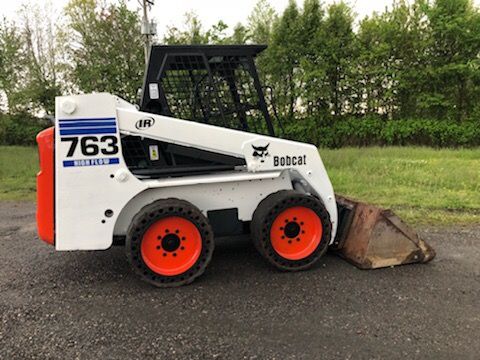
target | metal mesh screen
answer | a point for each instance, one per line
(217, 90)
(134, 152)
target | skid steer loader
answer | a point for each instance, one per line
(198, 159)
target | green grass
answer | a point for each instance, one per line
(424, 186)
(18, 167)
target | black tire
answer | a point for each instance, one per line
(267, 212)
(150, 215)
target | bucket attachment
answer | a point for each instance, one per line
(371, 237)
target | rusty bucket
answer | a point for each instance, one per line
(371, 237)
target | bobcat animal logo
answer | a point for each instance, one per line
(261, 152)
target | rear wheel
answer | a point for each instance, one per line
(169, 243)
(291, 230)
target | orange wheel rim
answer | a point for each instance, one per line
(296, 233)
(171, 246)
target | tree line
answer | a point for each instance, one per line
(409, 74)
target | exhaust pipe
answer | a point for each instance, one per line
(371, 237)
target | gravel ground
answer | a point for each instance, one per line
(89, 305)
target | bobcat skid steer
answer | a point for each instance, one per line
(199, 159)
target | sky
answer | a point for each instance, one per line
(171, 13)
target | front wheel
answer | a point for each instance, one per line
(291, 230)
(169, 243)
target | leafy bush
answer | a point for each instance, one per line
(20, 129)
(376, 131)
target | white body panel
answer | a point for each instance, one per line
(87, 185)
(234, 192)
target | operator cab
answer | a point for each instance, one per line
(210, 84)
